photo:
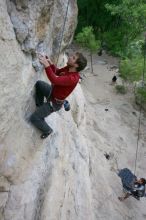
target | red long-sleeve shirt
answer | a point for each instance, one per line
(63, 81)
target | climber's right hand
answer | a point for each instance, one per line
(44, 61)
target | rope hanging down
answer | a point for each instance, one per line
(63, 29)
(139, 122)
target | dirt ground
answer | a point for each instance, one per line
(112, 127)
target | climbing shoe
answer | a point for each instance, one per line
(45, 135)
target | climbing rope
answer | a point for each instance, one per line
(139, 122)
(60, 43)
(62, 33)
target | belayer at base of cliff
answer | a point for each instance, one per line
(63, 82)
(131, 185)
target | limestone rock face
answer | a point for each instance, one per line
(27, 27)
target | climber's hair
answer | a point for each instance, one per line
(143, 181)
(81, 61)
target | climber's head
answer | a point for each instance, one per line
(78, 61)
(142, 181)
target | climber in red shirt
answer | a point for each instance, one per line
(63, 81)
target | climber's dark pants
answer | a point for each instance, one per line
(43, 90)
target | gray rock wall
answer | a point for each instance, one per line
(26, 27)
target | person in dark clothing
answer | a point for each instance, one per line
(114, 79)
(138, 190)
(63, 82)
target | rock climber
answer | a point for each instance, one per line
(63, 82)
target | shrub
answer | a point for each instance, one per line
(131, 69)
(121, 89)
(141, 94)
(135, 49)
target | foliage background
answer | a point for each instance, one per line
(117, 26)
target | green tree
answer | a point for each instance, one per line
(132, 14)
(115, 23)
